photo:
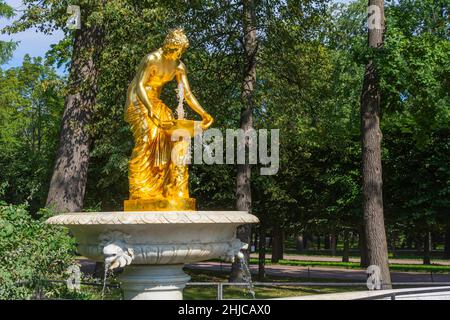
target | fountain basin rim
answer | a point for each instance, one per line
(153, 217)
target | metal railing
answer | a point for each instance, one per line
(393, 295)
(94, 284)
(221, 285)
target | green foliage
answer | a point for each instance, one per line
(31, 104)
(30, 251)
(6, 48)
(415, 68)
(310, 90)
(415, 71)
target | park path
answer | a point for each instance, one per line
(325, 273)
(88, 267)
(300, 257)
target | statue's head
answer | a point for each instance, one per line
(175, 44)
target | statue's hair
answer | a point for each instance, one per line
(176, 38)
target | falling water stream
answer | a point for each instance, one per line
(180, 108)
(247, 276)
(105, 276)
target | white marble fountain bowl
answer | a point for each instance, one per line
(157, 237)
(156, 243)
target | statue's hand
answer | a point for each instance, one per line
(207, 121)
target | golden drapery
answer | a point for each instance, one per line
(152, 173)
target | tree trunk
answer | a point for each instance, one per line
(68, 183)
(346, 253)
(352, 240)
(243, 187)
(394, 244)
(318, 242)
(327, 243)
(363, 249)
(277, 247)
(375, 233)
(333, 243)
(300, 243)
(426, 248)
(262, 254)
(307, 240)
(447, 243)
(409, 243)
(417, 245)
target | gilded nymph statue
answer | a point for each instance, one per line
(157, 182)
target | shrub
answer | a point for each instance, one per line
(31, 251)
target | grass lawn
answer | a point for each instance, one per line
(417, 254)
(354, 253)
(210, 292)
(355, 265)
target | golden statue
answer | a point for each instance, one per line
(158, 176)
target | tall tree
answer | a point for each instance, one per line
(67, 186)
(68, 183)
(243, 185)
(375, 234)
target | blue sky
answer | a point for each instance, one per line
(33, 42)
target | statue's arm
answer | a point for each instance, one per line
(190, 98)
(143, 74)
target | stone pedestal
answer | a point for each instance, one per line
(153, 282)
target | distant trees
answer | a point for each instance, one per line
(414, 82)
(31, 99)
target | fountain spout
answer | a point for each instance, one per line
(235, 251)
(116, 249)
